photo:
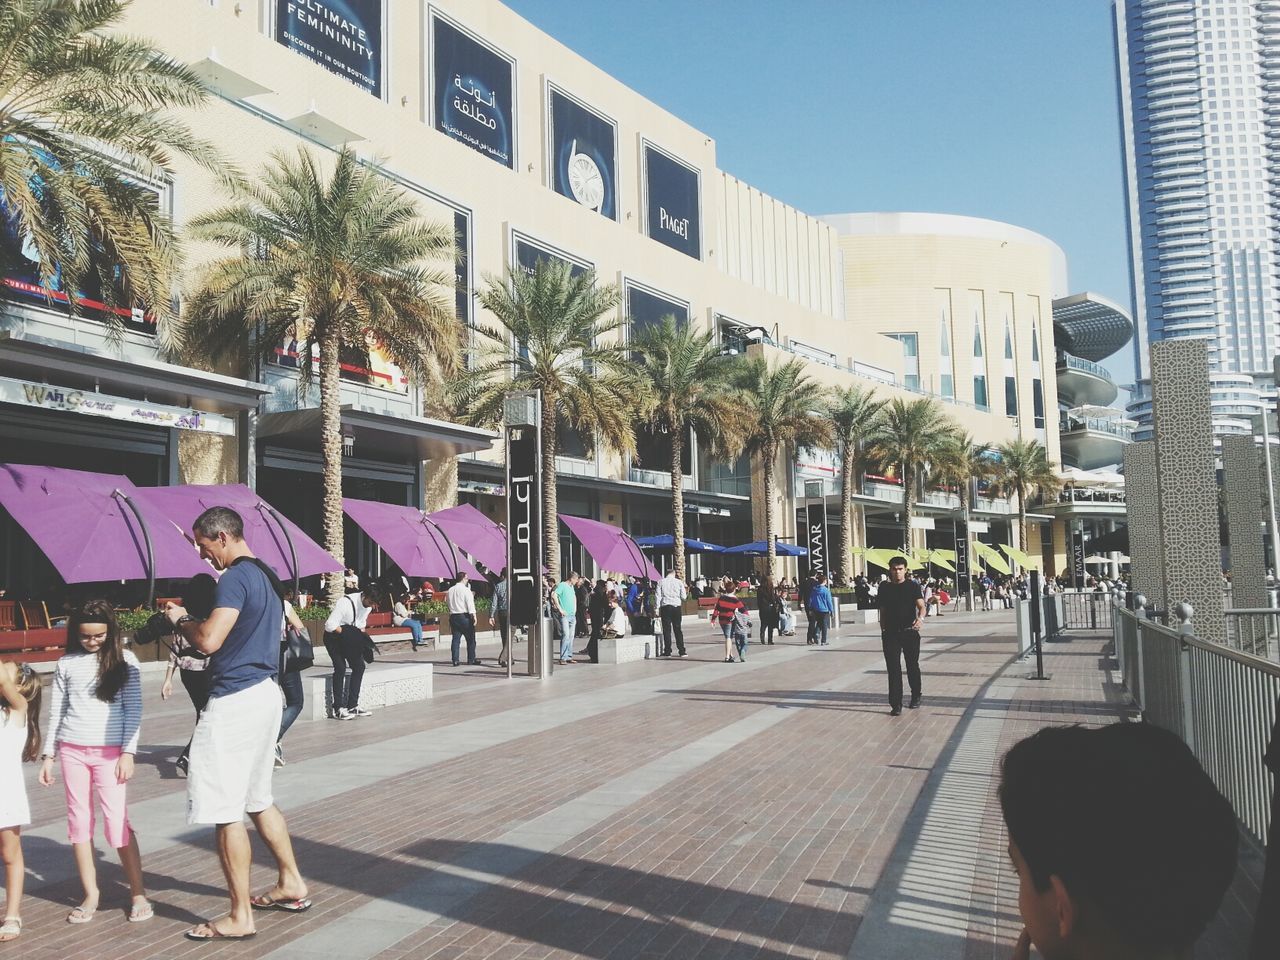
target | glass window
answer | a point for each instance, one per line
(1035, 346)
(1037, 402)
(980, 390)
(1010, 396)
(1008, 340)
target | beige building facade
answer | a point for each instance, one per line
(531, 152)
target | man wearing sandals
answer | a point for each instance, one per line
(233, 750)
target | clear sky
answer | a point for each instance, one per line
(1005, 109)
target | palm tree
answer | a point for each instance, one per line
(854, 415)
(689, 380)
(962, 462)
(557, 333)
(335, 262)
(84, 124)
(780, 410)
(1024, 469)
(915, 434)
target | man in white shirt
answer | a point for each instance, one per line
(462, 619)
(671, 596)
(346, 650)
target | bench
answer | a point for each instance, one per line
(629, 648)
(854, 615)
(33, 646)
(384, 685)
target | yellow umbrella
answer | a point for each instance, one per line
(1020, 558)
(880, 557)
(990, 557)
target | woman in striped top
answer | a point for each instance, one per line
(94, 721)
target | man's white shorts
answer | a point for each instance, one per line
(233, 755)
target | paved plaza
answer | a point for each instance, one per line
(671, 808)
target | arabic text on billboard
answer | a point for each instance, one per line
(583, 148)
(473, 93)
(343, 36)
(674, 214)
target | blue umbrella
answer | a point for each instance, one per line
(665, 541)
(758, 548)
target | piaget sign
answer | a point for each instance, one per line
(42, 395)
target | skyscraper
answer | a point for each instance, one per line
(1200, 108)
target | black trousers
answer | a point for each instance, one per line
(196, 683)
(671, 624)
(345, 654)
(899, 645)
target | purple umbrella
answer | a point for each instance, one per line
(279, 542)
(475, 534)
(96, 526)
(410, 538)
(611, 547)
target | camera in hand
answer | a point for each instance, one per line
(197, 598)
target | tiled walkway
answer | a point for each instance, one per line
(680, 809)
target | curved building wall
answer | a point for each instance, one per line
(972, 298)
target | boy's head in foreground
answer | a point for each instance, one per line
(1122, 844)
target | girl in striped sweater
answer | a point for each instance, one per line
(94, 720)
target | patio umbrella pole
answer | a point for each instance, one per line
(146, 539)
(267, 509)
(453, 551)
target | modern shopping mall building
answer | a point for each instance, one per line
(531, 152)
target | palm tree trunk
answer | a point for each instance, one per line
(967, 586)
(1022, 524)
(846, 512)
(331, 452)
(908, 503)
(770, 456)
(550, 501)
(677, 501)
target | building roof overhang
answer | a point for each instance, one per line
(1089, 326)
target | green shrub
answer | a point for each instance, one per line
(313, 611)
(131, 620)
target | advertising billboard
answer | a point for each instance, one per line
(647, 308)
(816, 538)
(343, 36)
(472, 92)
(524, 525)
(584, 149)
(20, 278)
(529, 254)
(673, 202)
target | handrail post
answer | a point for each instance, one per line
(1184, 612)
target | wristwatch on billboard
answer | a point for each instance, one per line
(585, 182)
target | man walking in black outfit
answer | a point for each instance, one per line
(901, 605)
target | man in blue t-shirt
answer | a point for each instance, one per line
(233, 748)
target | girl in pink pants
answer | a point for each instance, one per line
(94, 720)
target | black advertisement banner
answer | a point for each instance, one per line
(473, 93)
(816, 525)
(524, 525)
(583, 151)
(645, 309)
(529, 255)
(1078, 575)
(343, 36)
(674, 204)
(962, 554)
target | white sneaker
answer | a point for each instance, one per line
(344, 715)
(360, 712)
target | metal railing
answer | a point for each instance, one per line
(1086, 610)
(1095, 425)
(1220, 701)
(1254, 630)
(1087, 366)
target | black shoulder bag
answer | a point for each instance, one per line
(295, 644)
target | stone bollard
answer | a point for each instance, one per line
(1183, 612)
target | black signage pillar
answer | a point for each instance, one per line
(816, 524)
(524, 532)
(964, 582)
(1078, 576)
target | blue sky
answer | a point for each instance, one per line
(1004, 109)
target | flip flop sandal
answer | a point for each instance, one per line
(215, 934)
(10, 929)
(141, 913)
(285, 906)
(80, 915)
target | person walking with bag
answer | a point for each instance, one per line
(296, 655)
(767, 603)
(901, 605)
(347, 643)
(500, 607)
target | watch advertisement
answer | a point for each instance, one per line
(583, 151)
(529, 255)
(473, 87)
(343, 36)
(674, 210)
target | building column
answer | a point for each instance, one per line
(1146, 548)
(1242, 486)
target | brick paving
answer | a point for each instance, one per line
(661, 809)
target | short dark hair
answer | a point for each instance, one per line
(897, 562)
(218, 520)
(1154, 859)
